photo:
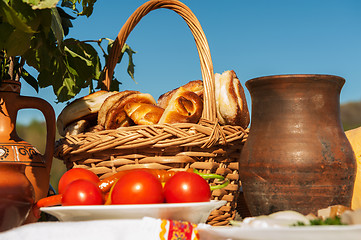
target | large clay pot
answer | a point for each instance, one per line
(297, 156)
(13, 148)
(16, 195)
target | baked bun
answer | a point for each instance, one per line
(184, 107)
(81, 108)
(143, 113)
(193, 86)
(230, 100)
(116, 115)
(77, 127)
(110, 102)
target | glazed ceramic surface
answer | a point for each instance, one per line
(16, 195)
(13, 148)
(297, 156)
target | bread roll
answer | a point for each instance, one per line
(117, 117)
(143, 113)
(80, 108)
(184, 107)
(231, 101)
(77, 127)
(110, 102)
(193, 86)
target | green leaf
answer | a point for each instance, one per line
(45, 17)
(76, 55)
(131, 65)
(42, 4)
(63, 94)
(5, 30)
(10, 15)
(41, 53)
(70, 4)
(45, 79)
(87, 6)
(114, 85)
(84, 52)
(26, 13)
(69, 83)
(65, 20)
(17, 43)
(110, 45)
(30, 80)
(56, 26)
(66, 90)
(126, 49)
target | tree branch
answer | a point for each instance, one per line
(11, 67)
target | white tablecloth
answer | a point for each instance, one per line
(146, 228)
(153, 229)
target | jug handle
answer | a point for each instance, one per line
(49, 114)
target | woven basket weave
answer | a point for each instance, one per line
(206, 146)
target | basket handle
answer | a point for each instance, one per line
(209, 109)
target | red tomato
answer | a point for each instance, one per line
(137, 187)
(186, 187)
(75, 174)
(82, 192)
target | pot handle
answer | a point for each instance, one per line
(49, 114)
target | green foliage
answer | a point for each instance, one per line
(68, 68)
(130, 52)
(41, 4)
(33, 32)
(87, 5)
(114, 86)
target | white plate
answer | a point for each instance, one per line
(193, 212)
(350, 232)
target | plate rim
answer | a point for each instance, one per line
(177, 211)
(133, 206)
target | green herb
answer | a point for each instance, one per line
(328, 221)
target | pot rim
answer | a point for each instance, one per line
(296, 77)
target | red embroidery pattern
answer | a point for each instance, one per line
(179, 230)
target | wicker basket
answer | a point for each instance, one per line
(206, 146)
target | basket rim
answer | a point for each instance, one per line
(204, 135)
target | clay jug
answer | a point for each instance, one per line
(13, 148)
(297, 156)
(16, 195)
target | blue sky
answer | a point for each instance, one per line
(254, 38)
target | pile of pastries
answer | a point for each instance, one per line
(104, 110)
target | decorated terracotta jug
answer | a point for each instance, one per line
(15, 149)
(297, 156)
(16, 195)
